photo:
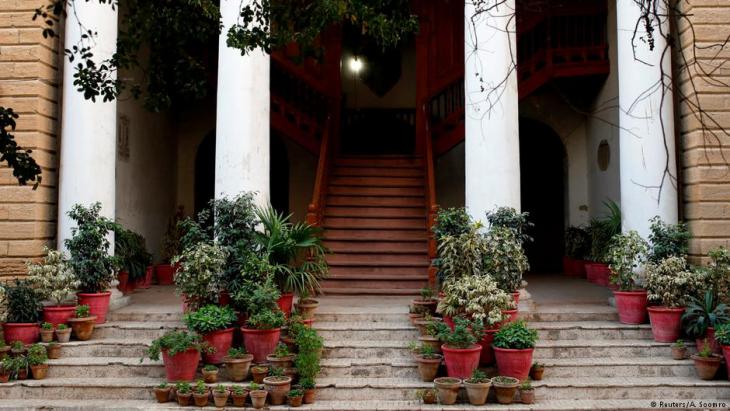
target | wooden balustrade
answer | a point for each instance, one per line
(431, 205)
(316, 207)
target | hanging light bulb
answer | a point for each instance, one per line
(356, 65)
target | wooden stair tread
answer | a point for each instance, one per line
(356, 201)
(375, 290)
(382, 223)
(376, 247)
(359, 260)
(401, 212)
(360, 191)
(377, 181)
(378, 171)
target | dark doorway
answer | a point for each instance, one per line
(279, 174)
(205, 172)
(542, 164)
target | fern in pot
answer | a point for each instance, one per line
(514, 345)
(54, 280)
(626, 256)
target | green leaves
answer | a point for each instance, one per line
(515, 335)
(23, 303)
(626, 254)
(671, 282)
(577, 242)
(52, 277)
(25, 169)
(667, 240)
(722, 334)
(702, 313)
(198, 277)
(465, 334)
(89, 248)
(174, 342)
(210, 318)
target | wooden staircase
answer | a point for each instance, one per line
(375, 224)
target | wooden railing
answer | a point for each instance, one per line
(315, 209)
(445, 113)
(431, 205)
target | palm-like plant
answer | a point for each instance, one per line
(702, 313)
(294, 250)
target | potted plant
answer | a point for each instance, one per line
(90, 261)
(310, 390)
(722, 336)
(306, 306)
(428, 396)
(670, 283)
(277, 385)
(295, 397)
(17, 349)
(263, 328)
(428, 361)
(527, 392)
(133, 258)
(37, 359)
(431, 336)
(706, 362)
(197, 278)
(162, 392)
(414, 314)
(513, 345)
(505, 388)
(461, 352)
(46, 332)
(15, 367)
(626, 254)
(22, 313)
(309, 344)
(4, 349)
(602, 230)
(505, 259)
(183, 392)
(201, 393)
(54, 350)
(667, 240)
(53, 279)
(577, 247)
(210, 374)
(258, 395)
(180, 354)
(477, 387)
(220, 396)
(701, 317)
(679, 350)
(448, 389)
(281, 358)
(83, 324)
(237, 364)
(427, 303)
(258, 373)
(238, 395)
(213, 323)
(63, 333)
(5, 372)
(536, 371)
(169, 249)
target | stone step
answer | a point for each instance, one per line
(135, 330)
(105, 348)
(103, 367)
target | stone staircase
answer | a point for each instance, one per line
(592, 361)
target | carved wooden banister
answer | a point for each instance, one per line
(316, 207)
(431, 205)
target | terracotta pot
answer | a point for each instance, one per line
(310, 396)
(425, 306)
(631, 306)
(58, 314)
(46, 336)
(414, 317)
(165, 274)
(4, 350)
(285, 302)
(83, 328)
(487, 355)
(221, 340)
(123, 282)
(512, 315)
(181, 366)
(432, 342)
(27, 333)
(428, 367)
(430, 397)
(306, 308)
(706, 367)
(220, 399)
(258, 398)
(527, 396)
(294, 401)
(237, 368)
(201, 400)
(4, 377)
(448, 389)
(23, 374)
(710, 337)
(281, 362)
(514, 363)
(54, 351)
(98, 304)
(239, 400)
(63, 336)
(260, 343)
(210, 377)
(598, 273)
(258, 374)
(460, 363)
(183, 400)
(536, 373)
(477, 392)
(568, 265)
(162, 394)
(277, 388)
(726, 354)
(308, 322)
(679, 353)
(39, 371)
(665, 323)
(505, 391)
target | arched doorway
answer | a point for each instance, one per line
(543, 182)
(205, 172)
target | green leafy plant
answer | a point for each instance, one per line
(309, 345)
(37, 355)
(88, 248)
(62, 327)
(200, 387)
(220, 388)
(234, 352)
(171, 245)
(477, 297)
(478, 377)
(702, 313)
(198, 276)
(237, 390)
(602, 231)
(210, 368)
(451, 222)
(17, 346)
(671, 283)
(295, 393)
(162, 385)
(679, 344)
(23, 303)
(427, 294)
(174, 342)
(422, 350)
(461, 254)
(515, 335)
(183, 388)
(722, 334)
(52, 277)
(266, 320)
(47, 326)
(505, 259)
(130, 249)
(276, 372)
(667, 240)
(718, 273)
(255, 387)
(13, 365)
(511, 219)
(706, 351)
(82, 311)
(626, 253)
(254, 288)
(465, 334)
(307, 383)
(281, 351)
(504, 380)
(526, 385)
(577, 242)
(210, 318)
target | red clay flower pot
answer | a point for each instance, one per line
(726, 354)
(460, 363)
(597, 273)
(308, 322)
(567, 265)
(181, 366)
(516, 297)
(665, 323)
(710, 336)
(98, 304)
(579, 267)
(146, 281)
(511, 316)
(449, 321)
(514, 363)
(260, 343)
(224, 298)
(487, 355)
(221, 340)
(27, 333)
(285, 303)
(165, 274)
(631, 306)
(123, 279)
(58, 314)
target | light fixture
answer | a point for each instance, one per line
(356, 65)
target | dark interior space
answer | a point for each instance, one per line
(279, 174)
(205, 172)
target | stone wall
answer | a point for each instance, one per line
(705, 155)
(29, 83)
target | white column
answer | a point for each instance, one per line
(242, 119)
(88, 129)
(646, 147)
(492, 145)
